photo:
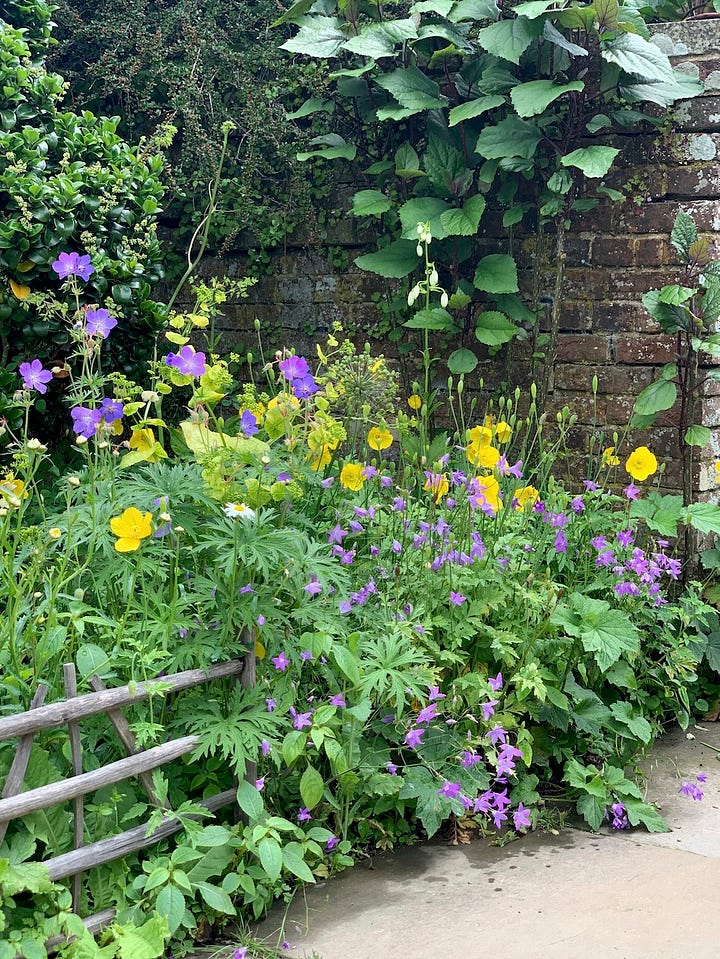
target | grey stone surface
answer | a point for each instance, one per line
(607, 896)
(687, 37)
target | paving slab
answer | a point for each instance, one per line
(611, 895)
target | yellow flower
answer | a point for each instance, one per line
(641, 463)
(13, 490)
(437, 484)
(609, 458)
(414, 401)
(55, 532)
(379, 439)
(489, 488)
(526, 497)
(351, 476)
(131, 528)
(259, 650)
(318, 459)
(717, 472)
(503, 432)
(480, 435)
(482, 454)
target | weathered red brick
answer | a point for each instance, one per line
(583, 347)
(644, 349)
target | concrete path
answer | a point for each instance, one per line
(573, 896)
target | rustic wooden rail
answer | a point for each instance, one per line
(15, 804)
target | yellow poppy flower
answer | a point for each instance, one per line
(437, 484)
(490, 490)
(480, 435)
(641, 463)
(351, 476)
(131, 528)
(503, 432)
(609, 458)
(414, 401)
(319, 459)
(482, 454)
(526, 497)
(379, 439)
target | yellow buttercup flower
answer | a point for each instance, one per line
(414, 401)
(482, 454)
(526, 497)
(437, 484)
(379, 439)
(609, 458)
(641, 463)
(131, 528)
(351, 476)
(503, 432)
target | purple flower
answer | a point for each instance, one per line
(632, 491)
(449, 790)
(284, 477)
(285, 945)
(265, 747)
(691, 790)
(327, 482)
(187, 361)
(240, 953)
(619, 814)
(313, 587)
(304, 387)
(496, 684)
(398, 504)
(625, 538)
(248, 423)
(336, 534)
(261, 620)
(111, 411)
(337, 700)
(85, 421)
(34, 376)
(281, 662)
(306, 655)
(426, 714)
(271, 705)
(369, 472)
(577, 505)
(247, 589)
(331, 843)
(489, 708)
(391, 768)
(260, 784)
(413, 738)
(701, 777)
(590, 486)
(301, 720)
(434, 694)
(294, 367)
(73, 264)
(521, 817)
(457, 599)
(304, 814)
(560, 543)
(99, 323)
(469, 759)
(396, 546)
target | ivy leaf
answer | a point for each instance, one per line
(508, 39)
(593, 161)
(494, 328)
(424, 209)
(535, 96)
(379, 40)
(512, 137)
(330, 146)
(698, 435)
(474, 108)
(412, 89)
(464, 222)
(462, 361)
(396, 260)
(312, 787)
(370, 203)
(660, 395)
(319, 37)
(496, 273)
(638, 57)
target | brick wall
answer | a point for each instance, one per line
(614, 255)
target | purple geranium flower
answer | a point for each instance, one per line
(457, 599)
(248, 423)
(34, 376)
(73, 264)
(85, 421)
(111, 410)
(294, 367)
(304, 387)
(187, 361)
(99, 322)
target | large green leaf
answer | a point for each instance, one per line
(474, 10)
(464, 222)
(552, 34)
(312, 787)
(684, 233)
(294, 12)
(142, 942)
(605, 632)
(270, 856)
(407, 163)
(494, 329)
(664, 92)
(317, 37)
(673, 319)
(434, 318)
(294, 862)
(250, 800)
(423, 209)
(496, 273)
(396, 260)
(216, 898)
(676, 295)
(593, 161)
(660, 395)
(534, 8)
(462, 361)
(512, 137)
(640, 812)
(592, 809)
(637, 57)
(633, 719)
(474, 108)
(697, 435)
(508, 39)
(533, 97)
(447, 169)
(441, 7)
(378, 40)
(370, 203)
(660, 513)
(171, 904)
(413, 89)
(704, 517)
(329, 146)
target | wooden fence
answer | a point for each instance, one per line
(15, 804)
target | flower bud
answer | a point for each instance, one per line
(434, 278)
(35, 444)
(444, 299)
(73, 481)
